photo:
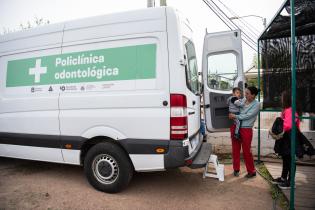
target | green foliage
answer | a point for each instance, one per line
(252, 82)
(275, 191)
(25, 26)
(36, 22)
(255, 61)
(224, 85)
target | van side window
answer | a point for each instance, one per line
(191, 68)
(222, 71)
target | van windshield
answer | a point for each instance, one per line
(191, 68)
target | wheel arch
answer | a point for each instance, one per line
(88, 144)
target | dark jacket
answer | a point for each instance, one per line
(302, 145)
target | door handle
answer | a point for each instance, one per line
(207, 106)
(193, 102)
(191, 113)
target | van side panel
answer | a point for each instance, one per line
(25, 109)
(134, 107)
(130, 104)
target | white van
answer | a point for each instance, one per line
(114, 93)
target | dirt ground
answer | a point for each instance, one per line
(38, 185)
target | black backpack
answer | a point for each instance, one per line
(276, 130)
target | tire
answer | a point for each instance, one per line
(108, 168)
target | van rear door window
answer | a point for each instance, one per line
(191, 68)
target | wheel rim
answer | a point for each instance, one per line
(105, 169)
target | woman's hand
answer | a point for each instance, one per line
(232, 116)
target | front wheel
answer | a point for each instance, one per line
(108, 168)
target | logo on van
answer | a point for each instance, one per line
(37, 70)
(101, 65)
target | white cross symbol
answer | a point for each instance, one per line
(37, 70)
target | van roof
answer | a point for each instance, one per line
(7, 40)
(112, 18)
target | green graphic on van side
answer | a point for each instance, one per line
(122, 63)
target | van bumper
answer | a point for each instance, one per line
(178, 154)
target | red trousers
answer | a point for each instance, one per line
(245, 141)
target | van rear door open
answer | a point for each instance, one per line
(222, 69)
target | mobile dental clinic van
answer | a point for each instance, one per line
(114, 93)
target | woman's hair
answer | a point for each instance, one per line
(287, 103)
(286, 99)
(253, 90)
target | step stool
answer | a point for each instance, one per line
(219, 168)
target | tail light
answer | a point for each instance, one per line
(179, 121)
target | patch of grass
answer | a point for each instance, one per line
(276, 193)
(225, 159)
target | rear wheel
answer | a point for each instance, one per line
(107, 167)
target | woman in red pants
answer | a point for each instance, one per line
(248, 115)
